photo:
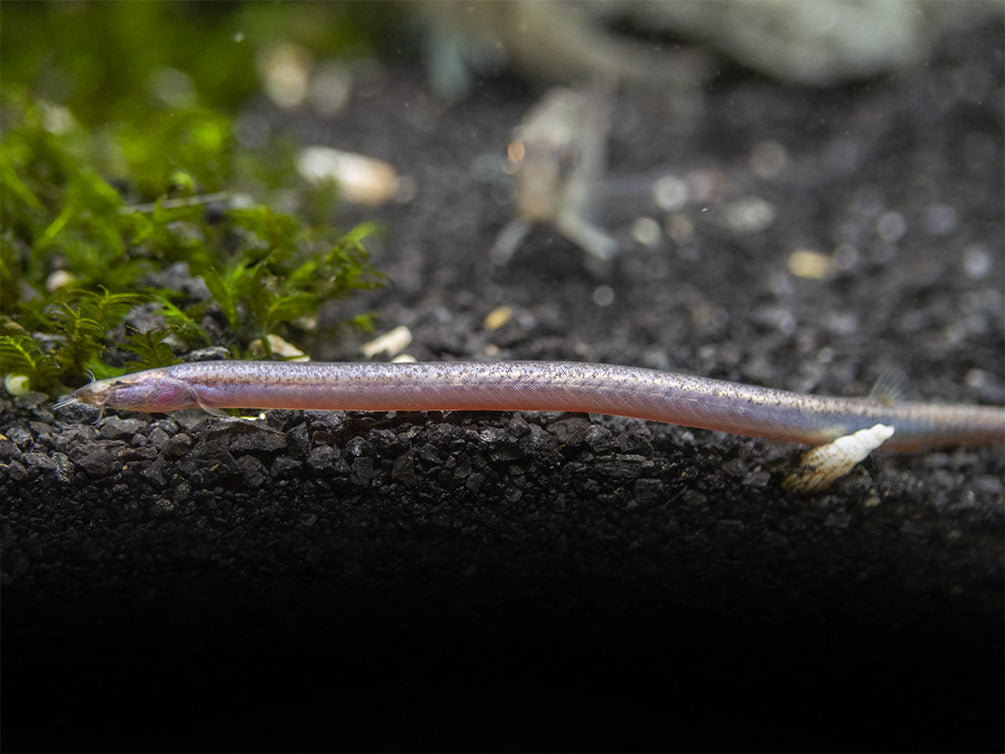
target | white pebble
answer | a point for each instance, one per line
(360, 179)
(58, 279)
(285, 71)
(392, 343)
(807, 263)
(646, 232)
(751, 214)
(670, 193)
(17, 384)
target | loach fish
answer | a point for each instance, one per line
(542, 386)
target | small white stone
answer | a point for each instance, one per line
(278, 347)
(646, 231)
(807, 263)
(17, 384)
(360, 179)
(56, 119)
(59, 279)
(392, 343)
(670, 193)
(750, 214)
(498, 317)
(285, 71)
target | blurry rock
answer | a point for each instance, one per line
(818, 43)
(551, 40)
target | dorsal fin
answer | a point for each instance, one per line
(889, 388)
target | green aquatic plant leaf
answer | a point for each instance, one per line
(137, 234)
(150, 349)
(22, 355)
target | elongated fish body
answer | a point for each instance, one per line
(543, 386)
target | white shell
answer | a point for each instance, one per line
(823, 465)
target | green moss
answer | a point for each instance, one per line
(114, 60)
(105, 186)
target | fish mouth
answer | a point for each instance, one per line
(95, 393)
(67, 400)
